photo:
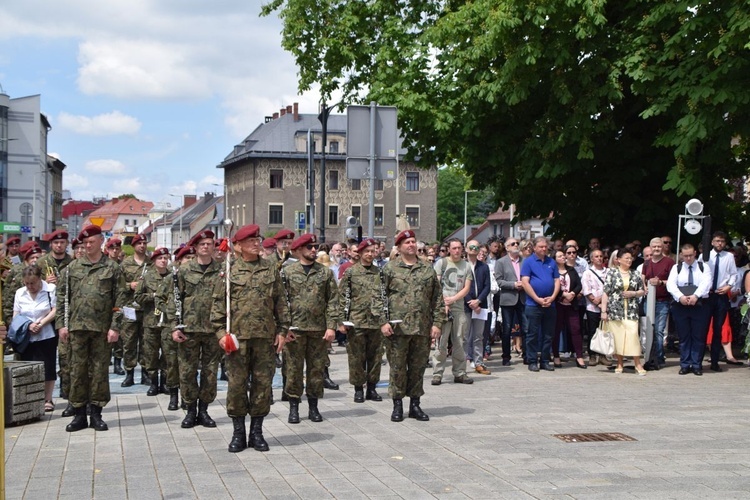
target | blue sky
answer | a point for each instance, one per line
(146, 96)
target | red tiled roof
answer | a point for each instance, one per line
(125, 206)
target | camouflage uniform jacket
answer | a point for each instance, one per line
(366, 304)
(48, 261)
(13, 282)
(133, 272)
(258, 304)
(150, 295)
(414, 296)
(196, 288)
(97, 294)
(314, 297)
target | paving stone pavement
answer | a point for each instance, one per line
(490, 440)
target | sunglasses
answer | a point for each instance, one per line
(421, 250)
(473, 247)
(512, 244)
(311, 246)
(443, 250)
(571, 252)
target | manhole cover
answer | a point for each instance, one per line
(594, 437)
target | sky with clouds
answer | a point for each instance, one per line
(147, 96)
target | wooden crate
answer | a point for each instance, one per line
(24, 391)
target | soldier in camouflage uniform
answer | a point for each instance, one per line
(134, 269)
(113, 249)
(90, 299)
(283, 239)
(415, 297)
(14, 279)
(196, 282)
(52, 266)
(158, 354)
(314, 317)
(361, 304)
(260, 320)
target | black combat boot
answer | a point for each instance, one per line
(69, 411)
(398, 411)
(153, 389)
(117, 367)
(293, 411)
(96, 421)
(203, 417)
(145, 379)
(128, 382)
(416, 412)
(238, 442)
(328, 383)
(313, 413)
(174, 403)
(372, 394)
(359, 394)
(79, 420)
(256, 434)
(190, 416)
(163, 382)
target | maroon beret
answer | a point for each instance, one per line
(366, 243)
(13, 240)
(89, 231)
(269, 243)
(158, 252)
(137, 239)
(60, 234)
(27, 246)
(75, 242)
(249, 231)
(305, 239)
(408, 233)
(182, 252)
(113, 242)
(205, 234)
(31, 251)
(284, 234)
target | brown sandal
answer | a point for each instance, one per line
(49, 406)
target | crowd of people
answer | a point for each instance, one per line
(252, 305)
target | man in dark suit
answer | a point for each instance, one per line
(512, 297)
(475, 308)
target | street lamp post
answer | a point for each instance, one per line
(466, 200)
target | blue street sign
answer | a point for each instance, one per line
(25, 229)
(300, 221)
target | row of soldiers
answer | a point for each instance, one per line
(251, 308)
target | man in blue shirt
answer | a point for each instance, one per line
(541, 282)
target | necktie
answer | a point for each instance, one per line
(716, 272)
(690, 275)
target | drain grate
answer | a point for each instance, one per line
(594, 437)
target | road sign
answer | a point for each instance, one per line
(10, 227)
(97, 221)
(299, 221)
(358, 137)
(26, 229)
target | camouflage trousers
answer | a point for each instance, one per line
(199, 349)
(407, 356)
(254, 357)
(117, 350)
(311, 350)
(365, 350)
(132, 342)
(63, 360)
(89, 368)
(169, 349)
(160, 353)
(456, 331)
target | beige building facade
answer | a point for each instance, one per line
(266, 183)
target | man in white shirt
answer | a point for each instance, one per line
(724, 273)
(689, 283)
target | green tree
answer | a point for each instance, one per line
(452, 184)
(609, 114)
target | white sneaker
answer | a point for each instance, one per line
(472, 365)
